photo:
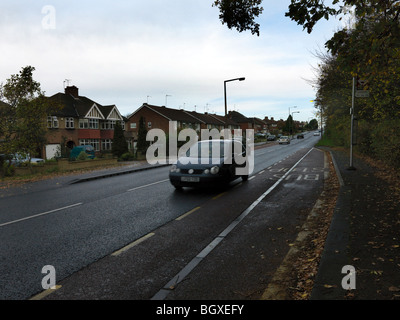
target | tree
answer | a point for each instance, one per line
(312, 125)
(288, 127)
(24, 131)
(240, 14)
(119, 146)
(142, 144)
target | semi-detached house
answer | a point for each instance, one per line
(79, 121)
(159, 117)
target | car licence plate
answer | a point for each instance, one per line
(190, 179)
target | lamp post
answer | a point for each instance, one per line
(240, 79)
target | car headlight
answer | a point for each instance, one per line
(214, 170)
(174, 168)
(206, 171)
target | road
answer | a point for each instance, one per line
(80, 228)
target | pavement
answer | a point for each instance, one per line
(363, 235)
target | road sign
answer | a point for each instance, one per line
(362, 93)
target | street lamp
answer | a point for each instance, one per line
(240, 79)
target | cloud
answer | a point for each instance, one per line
(123, 51)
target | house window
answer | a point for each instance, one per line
(149, 124)
(52, 122)
(106, 144)
(69, 123)
(108, 125)
(133, 125)
(83, 123)
(93, 142)
(93, 123)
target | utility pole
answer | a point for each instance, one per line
(351, 167)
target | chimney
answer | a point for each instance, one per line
(73, 91)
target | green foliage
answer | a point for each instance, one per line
(240, 14)
(23, 117)
(7, 169)
(119, 146)
(312, 125)
(82, 156)
(385, 141)
(142, 144)
(128, 156)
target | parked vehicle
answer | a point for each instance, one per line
(284, 139)
(316, 133)
(200, 167)
(77, 150)
(300, 136)
(20, 159)
(271, 138)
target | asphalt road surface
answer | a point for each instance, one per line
(134, 236)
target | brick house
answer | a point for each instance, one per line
(78, 121)
(160, 116)
(243, 121)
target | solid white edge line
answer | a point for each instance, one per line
(40, 214)
(163, 293)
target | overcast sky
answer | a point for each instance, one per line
(176, 52)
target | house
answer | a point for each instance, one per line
(259, 126)
(79, 121)
(243, 121)
(160, 116)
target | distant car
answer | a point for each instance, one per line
(300, 136)
(316, 133)
(200, 167)
(271, 138)
(284, 139)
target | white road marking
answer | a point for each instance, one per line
(163, 293)
(148, 185)
(40, 214)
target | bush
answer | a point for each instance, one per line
(8, 170)
(82, 156)
(386, 141)
(127, 156)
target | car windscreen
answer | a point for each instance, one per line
(210, 149)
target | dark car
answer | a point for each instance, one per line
(209, 163)
(300, 136)
(271, 138)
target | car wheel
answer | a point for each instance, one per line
(245, 178)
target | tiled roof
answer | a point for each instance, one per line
(174, 114)
(70, 106)
(205, 118)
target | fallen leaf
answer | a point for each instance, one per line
(394, 289)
